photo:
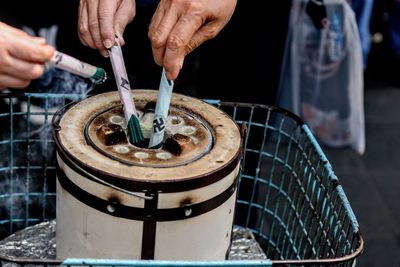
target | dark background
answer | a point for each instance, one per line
(242, 63)
(238, 60)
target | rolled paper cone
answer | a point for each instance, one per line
(77, 67)
(161, 112)
(135, 134)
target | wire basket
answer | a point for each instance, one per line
(288, 196)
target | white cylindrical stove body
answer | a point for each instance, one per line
(184, 219)
(87, 232)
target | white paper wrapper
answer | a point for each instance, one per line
(124, 90)
(161, 112)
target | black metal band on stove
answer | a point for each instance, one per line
(114, 208)
(149, 229)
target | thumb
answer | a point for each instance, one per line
(119, 31)
(205, 33)
(38, 40)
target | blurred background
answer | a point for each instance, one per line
(244, 63)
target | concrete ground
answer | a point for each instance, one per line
(372, 181)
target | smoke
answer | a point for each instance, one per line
(27, 167)
(27, 164)
(57, 81)
(64, 88)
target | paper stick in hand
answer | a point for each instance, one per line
(135, 134)
(161, 112)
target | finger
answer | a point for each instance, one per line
(159, 35)
(124, 15)
(14, 31)
(28, 51)
(106, 14)
(94, 26)
(155, 21)
(177, 42)
(157, 17)
(84, 33)
(22, 69)
(205, 33)
(197, 39)
(38, 40)
(7, 81)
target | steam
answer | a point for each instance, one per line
(27, 167)
(64, 87)
(57, 81)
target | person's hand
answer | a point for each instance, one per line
(22, 57)
(180, 26)
(100, 20)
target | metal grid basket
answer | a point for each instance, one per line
(288, 195)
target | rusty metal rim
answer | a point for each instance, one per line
(90, 142)
(331, 261)
(133, 185)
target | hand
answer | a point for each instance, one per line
(180, 26)
(22, 57)
(100, 20)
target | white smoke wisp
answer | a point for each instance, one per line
(27, 169)
(27, 166)
(57, 81)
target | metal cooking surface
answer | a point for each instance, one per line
(187, 138)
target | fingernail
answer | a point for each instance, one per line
(182, 60)
(104, 53)
(39, 40)
(167, 75)
(108, 43)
